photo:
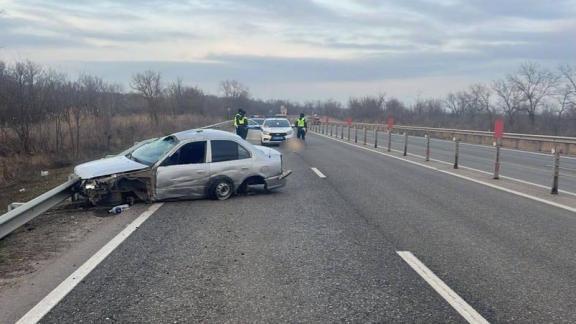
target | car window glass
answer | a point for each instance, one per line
(150, 153)
(277, 123)
(243, 153)
(223, 150)
(191, 153)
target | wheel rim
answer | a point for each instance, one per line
(223, 190)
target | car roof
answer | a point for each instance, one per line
(277, 118)
(199, 134)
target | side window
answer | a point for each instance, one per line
(228, 151)
(243, 153)
(191, 153)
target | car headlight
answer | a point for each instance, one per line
(290, 132)
(265, 132)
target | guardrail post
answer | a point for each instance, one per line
(389, 140)
(375, 137)
(355, 134)
(497, 162)
(331, 130)
(456, 152)
(427, 147)
(348, 133)
(342, 132)
(405, 144)
(554, 190)
(365, 133)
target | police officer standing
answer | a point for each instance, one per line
(301, 125)
(241, 123)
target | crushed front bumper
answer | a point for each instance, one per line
(278, 181)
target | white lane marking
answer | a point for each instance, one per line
(318, 173)
(55, 296)
(459, 304)
(548, 202)
(490, 173)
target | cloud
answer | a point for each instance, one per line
(276, 42)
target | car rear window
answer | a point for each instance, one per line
(223, 150)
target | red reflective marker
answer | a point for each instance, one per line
(498, 129)
(390, 122)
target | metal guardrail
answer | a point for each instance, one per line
(532, 137)
(29, 210)
(24, 213)
(332, 130)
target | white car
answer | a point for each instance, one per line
(276, 131)
(186, 165)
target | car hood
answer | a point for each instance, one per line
(268, 151)
(277, 129)
(107, 166)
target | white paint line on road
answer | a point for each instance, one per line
(459, 304)
(318, 173)
(490, 173)
(55, 296)
(545, 201)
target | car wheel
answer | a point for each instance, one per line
(221, 189)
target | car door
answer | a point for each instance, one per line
(185, 173)
(230, 159)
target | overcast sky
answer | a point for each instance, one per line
(294, 49)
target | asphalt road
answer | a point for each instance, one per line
(527, 166)
(324, 250)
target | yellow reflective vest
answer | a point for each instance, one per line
(240, 120)
(301, 122)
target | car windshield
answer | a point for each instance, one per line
(150, 153)
(259, 121)
(276, 123)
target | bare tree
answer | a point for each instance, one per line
(234, 89)
(535, 83)
(149, 85)
(458, 103)
(482, 98)
(367, 107)
(235, 93)
(564, 103)
(569, 74)
(23, 107)
(509, 99)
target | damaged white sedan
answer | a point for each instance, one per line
(187, 165)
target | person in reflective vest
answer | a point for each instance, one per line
(301, 126)
(241, 123)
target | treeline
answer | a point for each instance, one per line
(48, 116)
(531, 100)
(36, 99)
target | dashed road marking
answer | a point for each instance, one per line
(55, 296)
(459, 304)
(318, 173)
